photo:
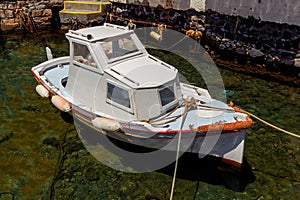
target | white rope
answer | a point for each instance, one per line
(211, 107)
(178, 149)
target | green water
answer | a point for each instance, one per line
(30, 168)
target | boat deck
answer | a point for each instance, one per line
(58, 75)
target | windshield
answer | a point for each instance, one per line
(118, 47)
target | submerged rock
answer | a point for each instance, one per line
(52, 141)
(5, 136)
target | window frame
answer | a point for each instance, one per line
(160, 98)
(113, 41)
(82, 64)
(117, 104)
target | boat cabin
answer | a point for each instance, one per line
(110, 70)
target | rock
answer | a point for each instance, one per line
(6, 195)
(2, 14)
(297, 62)
(92, 174)
(47, 12)
(72, 147)
(9, 13)
(5, 136)
(41, 7)
(9, 25)
(52, 141)
(150, 197)
(37, 13)
(10, 6)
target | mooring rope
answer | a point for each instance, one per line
(186, 108)
(188, 105)
(256, 117)
(272, 125)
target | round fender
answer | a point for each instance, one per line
(156, 36)
(106, 124)
(60, 103)
(42, 91)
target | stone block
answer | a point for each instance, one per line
(40, 20)
(21, 3)
(37, 13)
(56, 1)
(41, 6)
(37, 20)
(45, 19)
(9, 13)
(9, 25)
(9, 21)
(47, 12)
(4, 6)
(297, 62)
(11, 6)
(2, 14)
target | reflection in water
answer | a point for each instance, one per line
(28, 165)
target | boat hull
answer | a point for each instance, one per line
(226, 145)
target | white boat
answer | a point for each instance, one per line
(111, 83)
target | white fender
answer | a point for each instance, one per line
(42, 91)
(61, 103)
(156, 36)
(106, 124)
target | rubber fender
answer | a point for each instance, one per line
(156, 36)
(60, 103)
(42, 91)
(106, 124)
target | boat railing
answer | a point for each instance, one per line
(116, 26)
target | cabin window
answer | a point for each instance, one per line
(119, 47)
(167, 95)
(82, 55)
(118, 95)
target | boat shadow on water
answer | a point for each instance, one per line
(209, 169)
(212, 171)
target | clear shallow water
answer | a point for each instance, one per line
(28, 164)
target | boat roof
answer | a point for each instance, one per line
(144, 72)
(99, 33)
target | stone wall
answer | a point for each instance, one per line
(176, 4)
(27, 15)
(279, 11)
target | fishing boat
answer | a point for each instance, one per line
(112, 84)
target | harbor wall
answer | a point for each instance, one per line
(28, 15)
(45, 13)
(279, 11)
(199, 5)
